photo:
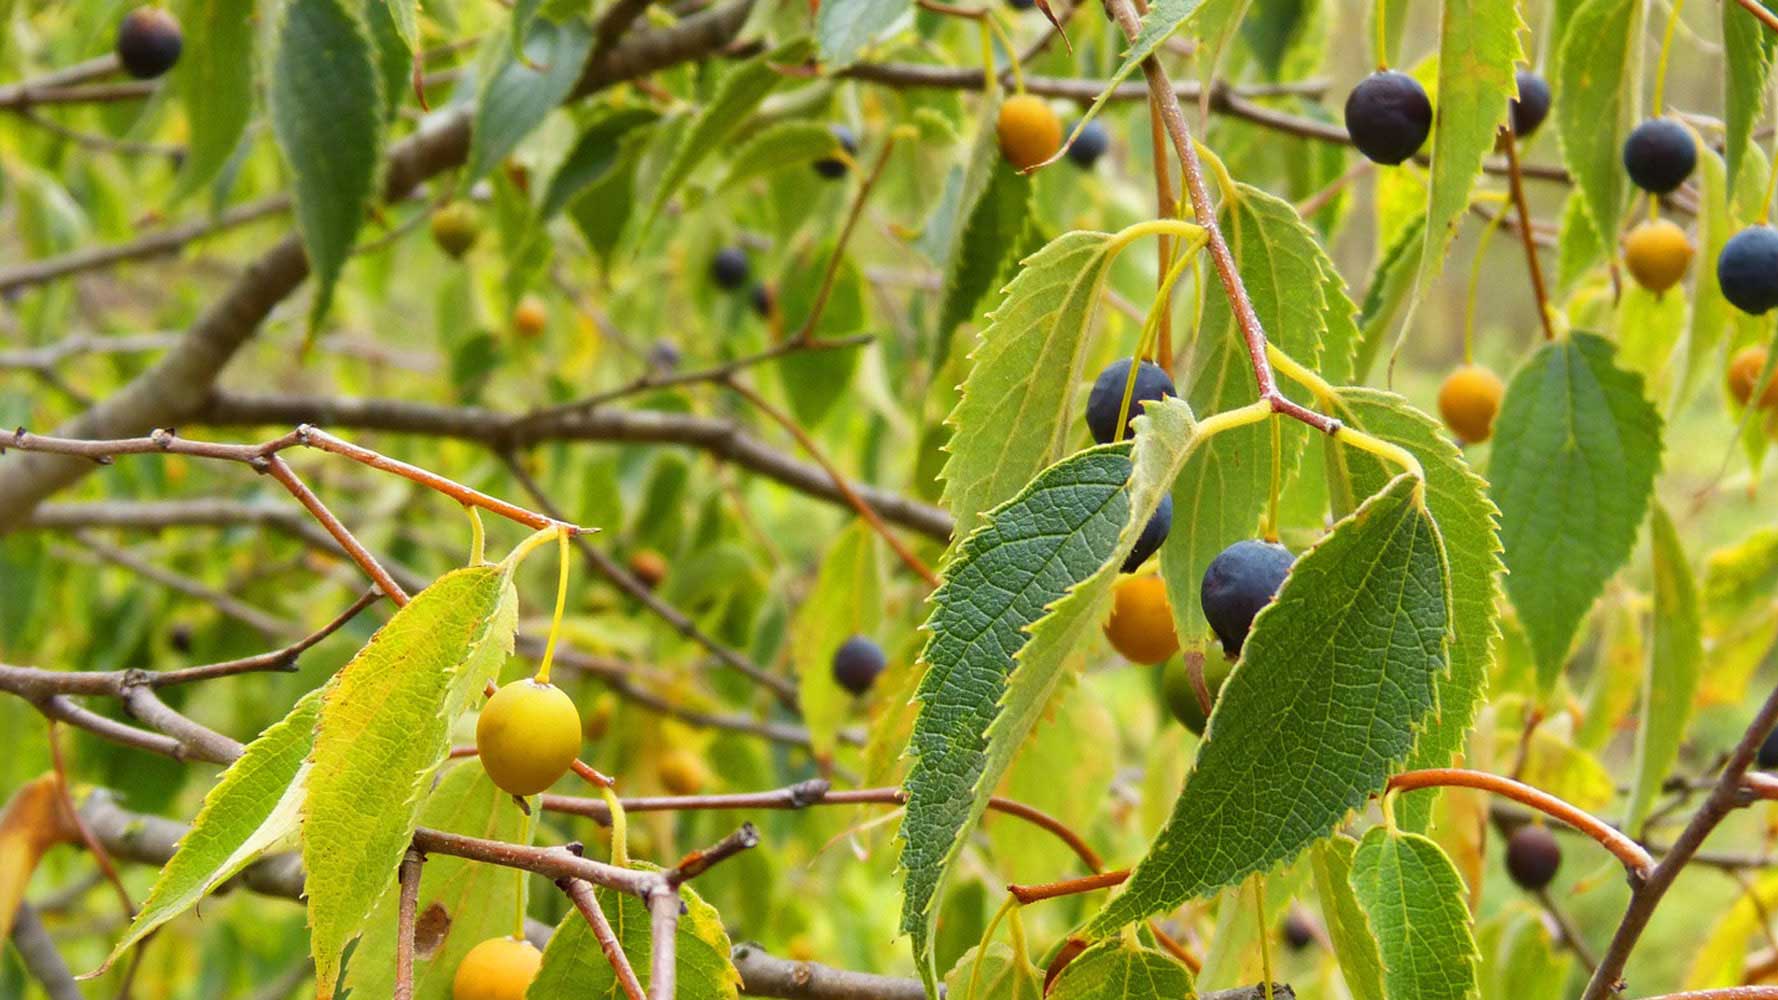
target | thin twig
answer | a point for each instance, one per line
(1634, 857)
(37, 950)
(663, 933)
(1511, 143)
(408, 876)
(587, 902)
(806, 336)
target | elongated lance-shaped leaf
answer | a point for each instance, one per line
(1335, 682)
(384, 728)
(1012, 418)
(574, 968)
(1022, 594)
(1675, 658)
(1415, 901)
(216, 83)
(992, 210)
(519, 94)
(326, 107)
(1347, 927)
(1458, 500)
(599, 150)
(1164, 17)
(1576, 449)
(1117, 970)
(847, 600)
(1747, 58)
(1594, 101)
(779, 147)
(1478, 45)
(1391, 281)
(406, 16)
(1527, 964)
(253, 807)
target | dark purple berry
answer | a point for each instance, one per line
(1747, 269)
(729, 268)
(857, 663)
(148, 42)
(1660, 155)
(761, 300)
(179, 637)
(1299, 932)
(832, 167)
(1241, 580)
(1091, 144)
(664, 356)
(1108, 396)
(1532, 105)
(1532, 856)
(1153, 534)
(1388, 116)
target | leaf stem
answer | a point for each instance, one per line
(1632, 854)
(1265, 950)
(477, 536)
(555, 621)
(1661, 62)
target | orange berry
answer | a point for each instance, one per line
(499, 968)
(1657, 253)
(1744, 371)
(528, 736)
(530, 316)
(1469, 400)
(1029, 130)
(682, 772)
(1140, 626)
(648, 566)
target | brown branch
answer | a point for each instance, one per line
(37, 950)
(408, 877)
(663, 940)
(157, 244)
(1759, 11)
(287, 477)
(587, 902)
(1724, 993)
(1633, 856)
(1541, 294)
(700, 861)
(1027, 894)
(824, 291)
(764, 975)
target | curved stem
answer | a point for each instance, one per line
(1516, 180)
(1626, 850)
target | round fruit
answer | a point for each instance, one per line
(1744, 372)
(1021, 4)
(1468, 399)
(179, 637)
(528, 736)
(1532, 856)
(1299, 932)
(832, 167)
(1747, 270)
(497, 969)
(1182, 696)
(1657, 253)
(1091, 144)
(760, 298)
(1107, 396)
(1532, 106)
(1388, 116)
(857, 663)
(682, 772)
(1768, 752)
(1242, 579)
(454, 228)
(648, 566)
(1140, 625)
(1029, 130)
(729, 268)
(148, 42)
(664, 356)
(1153, 534)
(530, 316)
(1660, 155)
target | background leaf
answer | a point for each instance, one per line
(847, 600)
(517, 97)
(1415, 901)
(1115, 970)
(844, 27)
(215, 75)
(1594, 102)
(1747, 60)
(1675, 657)
(1347, 927)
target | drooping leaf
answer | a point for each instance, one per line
(1675, 658)
(1594, 98)
(844, 27)
(215, 79)
(1747, 58)
(1648, 328)
(1117, 970)
(847, 600)
(519, 94)
(598, 151)
(1721, 957)
(1528, 965)
(574, 968)
(1164, 17)
(1415, 902)
(1335, 682)
(1576, 448)
(384, 727)
(326, 106)
(995, 209)
(406, 15)
(1347, 927)
(1578, 246)
(1391, 280)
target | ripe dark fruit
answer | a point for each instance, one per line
(1532, 856)
(1747, 270)
(1182, 696)
(1299, 933)
(1107, 396)
(1768, 752)
(1658, 254)
(760, 298)
(1388, 116)
(1140, 625)
(648, 566)
(1091, 144)
(497, 969)
(1153, 534)
(1029, 131)
(729, 268)
(857, 663)
(1468, 400)
(528, 736)
(1532, 106)
(1021, 4)
(1242, 579)
(1660, 155)
(664, 356)
(454, 228)
(832, 167)
(148, 42)
(179, 637)
(1745, 369)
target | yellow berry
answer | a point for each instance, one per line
(499, 968)
(1657, 253)
(528, 736)
(454, 228)
(1141, 622)
(530, 316)
(1468, 400)
(1029, 131)
(1744, 371)
(682, 772)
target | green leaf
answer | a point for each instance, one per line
(780, 146)
(1012, 418)
(847, 600)
(1594, 98)
(574, 968)
(1005, 975)
(406, 15)
(517, 97)
(1390, 283)
(1576, 449)
(326, 107)
(252, 808)
(1024, 591)
(215, 78)
(1578, 246)
(1648, 328)
(1675, 659)
(599, 150)
(719, 121)
(1164, 17)
(844, 28)
(1415, 900)
(1458, 500)
(1347, 927)
(462, 903)
(816, 381)
(1478, 48)
(1217, 23)
(1712, 316)
(1333, 687)
(1747, 55)
(1118, 970)
(1528, 964)
(384, 728)
(995, 208)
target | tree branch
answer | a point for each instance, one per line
(41, 959)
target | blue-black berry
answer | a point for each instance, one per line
(1532, 856)
(1660, 155)
(1153, 534)
(1388, 116)
(1107, 396)
(729, 268)
(1747, 269)
(1532, 105)
(857, 663)
(1241, 580)
(832, 167)
(1091, 144)
(148, 42)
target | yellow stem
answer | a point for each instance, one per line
(1299, 373)
(990, 80)
(1151, 323)
(555, 621)
(981, 950)
(1666, 46)
(1379, 9)
(620, 828)
(477, 537)
(530, 545)
(1012, 53)
(1394, 454)
(1190, 231)
(1265, 949)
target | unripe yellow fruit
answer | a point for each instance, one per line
(530, 316)
(1469, 400)
(499, 968)
(1744, 371)
(454, 228)
(682, 772)
(528, 736)
(1029, 130)
(1657, 253)
(1140, 626)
